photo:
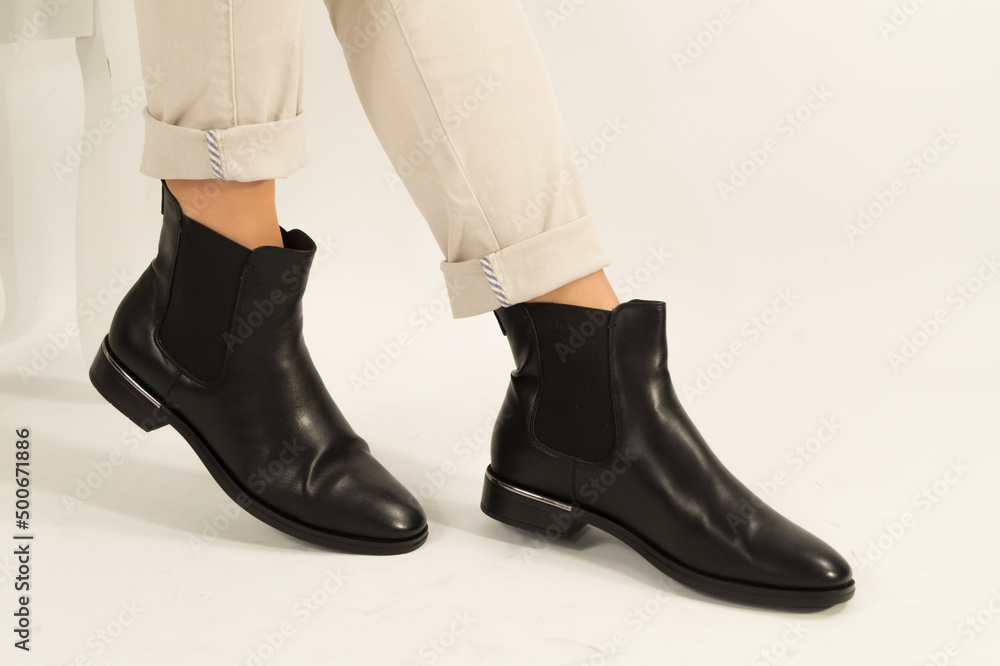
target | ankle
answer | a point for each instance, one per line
(242, 212)
(590, 291)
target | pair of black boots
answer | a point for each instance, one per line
(209, 340)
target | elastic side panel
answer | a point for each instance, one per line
(574, 413)
(203, 294)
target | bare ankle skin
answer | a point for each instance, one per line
(590, 291)
(242, 212)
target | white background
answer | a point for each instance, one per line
(142, 536)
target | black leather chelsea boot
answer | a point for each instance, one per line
(209, 341)
(591, 433)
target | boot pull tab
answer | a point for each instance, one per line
(502, 329)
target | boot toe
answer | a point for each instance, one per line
(390, 512)
(366, 501)
(827, 569)
(402, 518)
(807, 562)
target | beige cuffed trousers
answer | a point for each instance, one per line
(455, 90)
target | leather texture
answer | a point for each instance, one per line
(660, 480)
(266, 415)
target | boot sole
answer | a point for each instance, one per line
(554, 519)
(119, 386)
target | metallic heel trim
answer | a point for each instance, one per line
(125, 375)
(530, 495)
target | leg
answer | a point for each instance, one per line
(457, 93)
(216, 133)
(209, 339)
(458, 96)
(242, 212)
(591, 291)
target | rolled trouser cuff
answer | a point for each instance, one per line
(525, 270)
(243, 153)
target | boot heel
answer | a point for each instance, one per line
(125, 393)
(527, 510)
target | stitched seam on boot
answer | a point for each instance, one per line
(532, 438)
(613, 449)
(247, 268)
(170, 387)
(613, 381)
(232, 325)
(170, 293)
